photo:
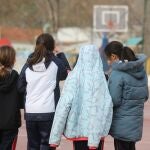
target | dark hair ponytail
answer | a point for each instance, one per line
(44, 49)
(123, 53)
(128, 54)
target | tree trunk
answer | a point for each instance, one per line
(52, 15)
(58, 14)
(146, 31)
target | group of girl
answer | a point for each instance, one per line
(89, 107)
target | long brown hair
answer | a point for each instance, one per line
(44, 48)
(7, 60)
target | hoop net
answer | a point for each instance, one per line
(112, 26)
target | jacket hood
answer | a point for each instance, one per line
(134, 68)
(84, 101)
(41, 66)
(7, 82)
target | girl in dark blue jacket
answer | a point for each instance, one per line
(39, 81)
(128, 87)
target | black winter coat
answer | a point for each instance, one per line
(10, 102)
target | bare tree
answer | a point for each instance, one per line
(54, 10)
(146, 45)
(60, 13)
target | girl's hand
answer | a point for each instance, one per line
(56, 50)
(68, 71)
(53, 145)
(92, 148)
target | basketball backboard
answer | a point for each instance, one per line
(110, 18)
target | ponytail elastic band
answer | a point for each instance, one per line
(125, 60)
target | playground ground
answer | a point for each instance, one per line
(144, 144)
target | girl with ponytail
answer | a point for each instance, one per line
(39, 81)
(7, 60)
(10, 99)
(128, 87)
(44, 48)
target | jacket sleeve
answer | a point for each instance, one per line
(147, 94)
(20, 96)
(147, 89)
(64, 59)
(22, 80)
(59, 122)
(61, 115)
(115, 84)
(63, 67)
(21, 100)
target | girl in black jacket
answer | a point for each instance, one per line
(10, 100)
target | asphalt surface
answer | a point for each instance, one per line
(67, 145)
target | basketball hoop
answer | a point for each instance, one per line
(110, 18)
